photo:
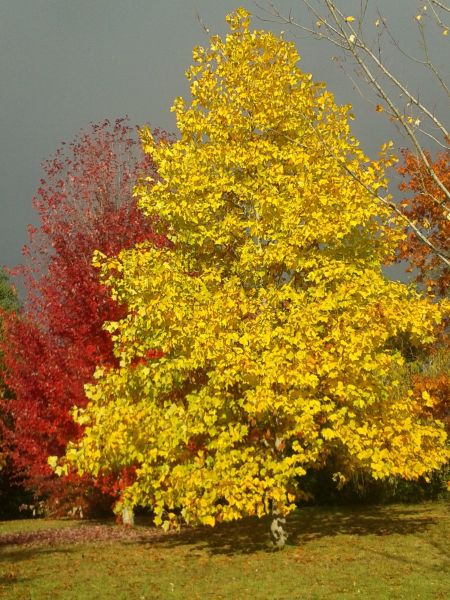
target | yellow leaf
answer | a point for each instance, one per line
(209, 520)
(428, 399)
(52, 461)
(166, 525)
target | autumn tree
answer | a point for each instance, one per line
(419, 204)
(369, 49)
(84, 202)
(260, 345)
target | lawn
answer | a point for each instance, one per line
(376, 552)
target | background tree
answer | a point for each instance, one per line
(420, 206)
(84, 203)
(363, 37)
(260, 345)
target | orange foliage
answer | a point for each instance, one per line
(438, 387)
(426, 207)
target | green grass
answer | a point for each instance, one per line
(374, 553)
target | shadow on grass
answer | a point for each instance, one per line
(252, 535)
(11, 579)
(13, 555)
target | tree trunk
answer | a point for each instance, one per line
(128, 516)
(277, 530)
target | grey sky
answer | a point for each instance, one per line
(65, 63)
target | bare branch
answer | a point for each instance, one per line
(428, 63)
(202, 23)
(353, 43)
(436, 3)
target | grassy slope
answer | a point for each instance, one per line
(374, 553)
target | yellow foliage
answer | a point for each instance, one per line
(271, 312)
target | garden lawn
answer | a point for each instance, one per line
(375, 553)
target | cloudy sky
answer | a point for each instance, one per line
(66, 63)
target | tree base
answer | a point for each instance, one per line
(128, 516)
(277, 532)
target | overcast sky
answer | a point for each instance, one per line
(66, 63)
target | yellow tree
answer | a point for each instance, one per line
(262, 342)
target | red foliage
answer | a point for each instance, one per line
(439, 389)
(426, 207)
(84, 204)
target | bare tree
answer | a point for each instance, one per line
(361, 39)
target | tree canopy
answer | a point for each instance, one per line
(260, 344)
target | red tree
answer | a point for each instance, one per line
(51, 350)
